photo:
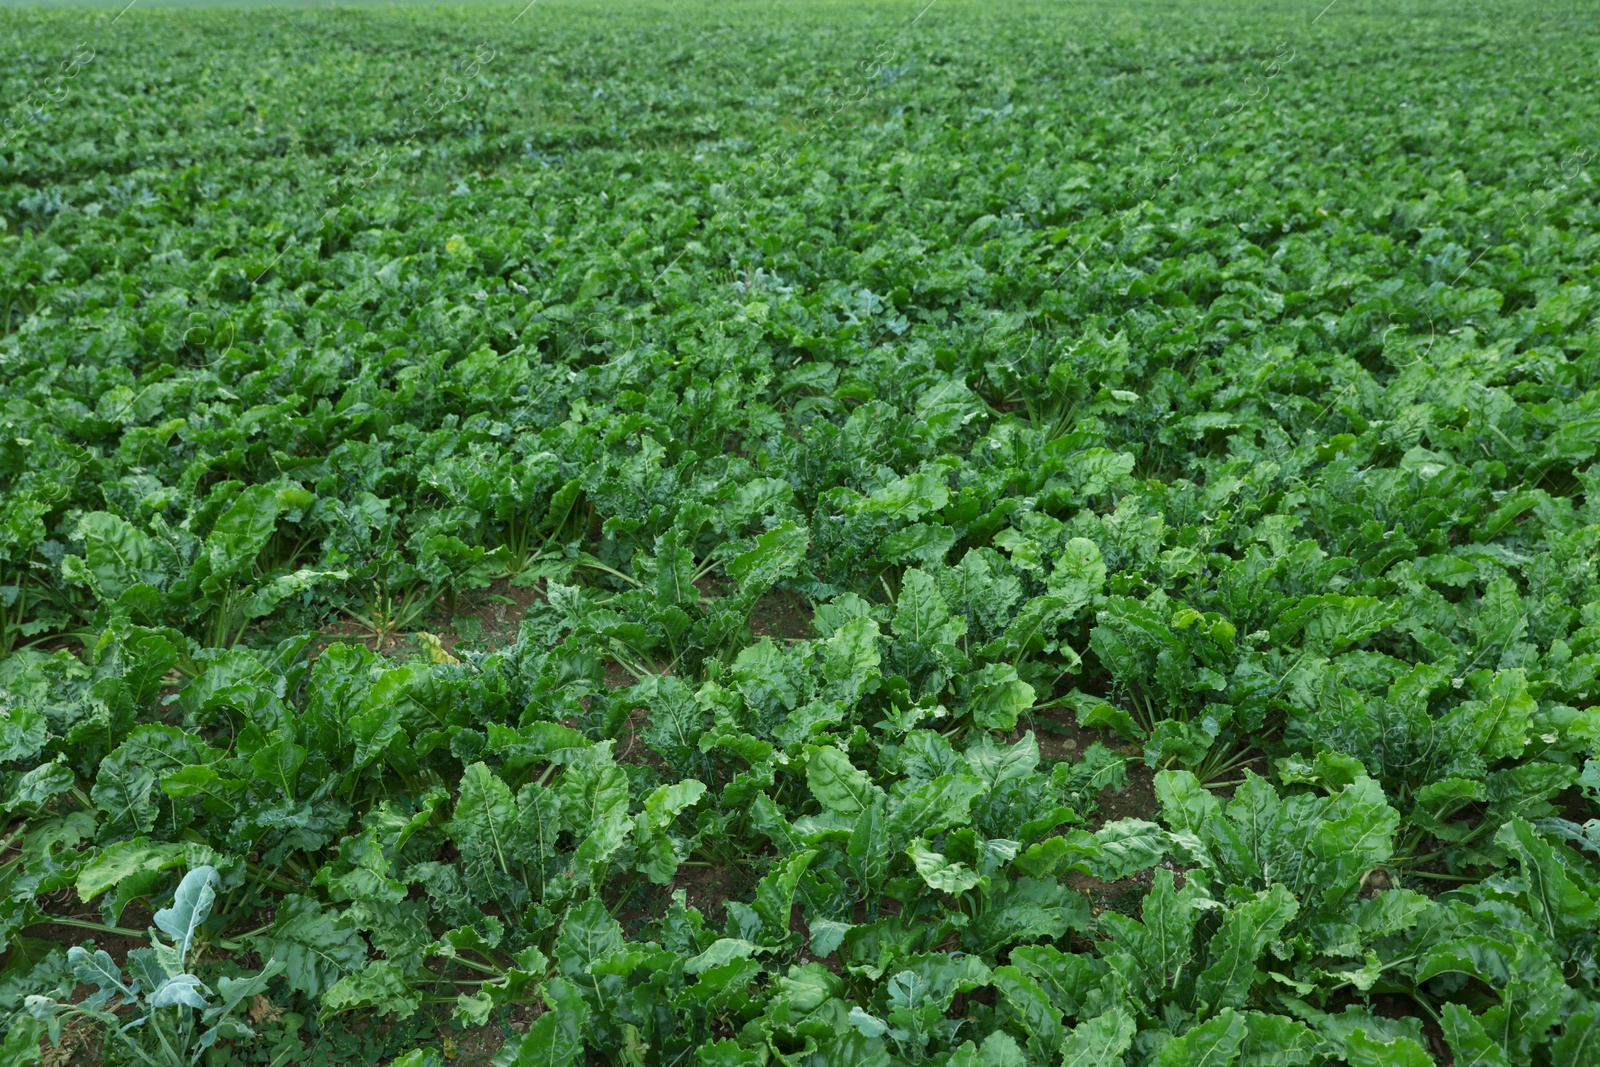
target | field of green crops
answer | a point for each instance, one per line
(725, 534)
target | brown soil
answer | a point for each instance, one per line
(484, 619)
(476, 1046)
(1136, 801)
(1060, 737)
(134, 917)
(707, 889)
(781, 616)
(630, 745)
(617, 676)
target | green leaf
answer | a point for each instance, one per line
(588, 933)
(1557, 902)
(775, 895)
(420, 1057)
(380, 985)
(265, 598)
(191, 904)
(1078, 576)
(911, 497)
(1097, 714)
(21, 1047)
(117, 557)
(850, 659)
(1099, 1042)
(1246, 931)
(1036, 1016)
(313, 947)
(180, 990)
(1027, 909)
(124, 859)
(997, 697)
(1125, 847)
(234, 990)
(37, 785)
(868, 848)
(22, 734)
(1579, 1041)
(677, 721)
(1163, 945)
(243, 530)
(777, 554)
(1363, 1051)
(1211, 1044)
(1496, 726)
(934, 806)
(96, 968)
(921, 615)
(722, 950)
(555, 1038)
(939, 873)
(836, 783)
(657, 857)
(1471, 1045)
(1276, 1041)
(482, 828)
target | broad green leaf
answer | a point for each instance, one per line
(777, 554)
(1036, 1017)
(22, 734)
(1495, 726)
(483, 828)
(232, 991)
(868, 849)
(850, 659)
(1580, 1038)
(1078, 576)
(123, 859)
(243, 530)
(1124, 847)
(677, 722)
(555, 1038)
(181, 990)
(1099, 1042)
(191, 904)
(1027, 909)
(37, 785)
(21, 1047)
(998, 697)
(1213, 1043)
(1363, 1051)
(312, 946)
(835, 782)
(723, 950)
(265, 598)
(921, 615)
(911, 497)
(118, 556)
(588, 933)
(1558, 902)
(1277, 1041)
(1472, 1047)
(1246, 930)
(380, 986)
(940, 873)
(775, 895)
(1163, 945)
(96, 968)
(657, 857)
(934, 806)
(996, 763)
